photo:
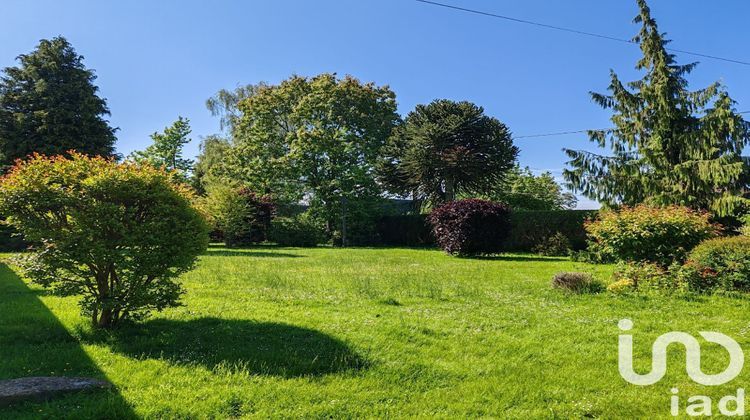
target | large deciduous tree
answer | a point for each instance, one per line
(522, 190)
(670, 145)
(445, 149)
(50, 105)
(317, 138)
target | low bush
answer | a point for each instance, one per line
(645, 277)
(471, 227)
(240, 216)
(295, 231)
(721, 264)
(660, 235)
(405, 230)
(621, 286)
(576, 282)
(557, 245)
(118, 235)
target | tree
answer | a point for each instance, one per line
(166, 151)
(49, 104)
(669, 145)
(119, 235)
(225, 104)
(316, 138)
(207, 168)
(522, 190)
(445, 149)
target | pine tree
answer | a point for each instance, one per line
(669, 145)
(49, 105)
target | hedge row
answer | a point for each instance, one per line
(528, 229)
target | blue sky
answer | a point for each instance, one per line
(159, 59)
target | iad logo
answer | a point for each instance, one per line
(701, 403)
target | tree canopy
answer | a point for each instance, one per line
(670, 145)
(166, 150)
(50, 105)
(522, 190)
(444, 149)
(316, 138)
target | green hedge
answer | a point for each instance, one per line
(528, 229)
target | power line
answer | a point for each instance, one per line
(575, 31)
(562, 133)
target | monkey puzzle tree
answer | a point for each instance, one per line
(49, 105)
(444, 149)
(117, 234)
(669, 145)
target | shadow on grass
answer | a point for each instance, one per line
(249, 253)
(258, 347)
(33, 342)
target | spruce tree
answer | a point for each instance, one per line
(49, 104)
(669, 145)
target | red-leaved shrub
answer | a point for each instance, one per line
(471, 227)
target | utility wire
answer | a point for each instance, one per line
(575, 31)
(562, 133)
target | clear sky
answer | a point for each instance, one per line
(157, 60)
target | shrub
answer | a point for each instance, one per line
(621, 286)
(242, 217)
(660, 235)
(555, 245)
(722, 263)
(296, 231)
(405, 230)
(645, 277)
(529, 228)
(471, 227)
(117, 234)
(576, 282)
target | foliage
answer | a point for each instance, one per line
(405, 230)
(225, 105)
(576, 282)
(49, 105)
(721, 263)
(670, 146)
(166, 150)
(522, 190)
(299, 231)
(555, 245)
(531, 228)
(10, 239)
(644, 277)
(621, 286)
(656, 234)
(316, 138)
(445, 149)
(243, 217)
(207, 168)
(116, 234)
(471, 226)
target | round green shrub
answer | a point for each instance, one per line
(721, 263)
(118, 235)
(661, 235)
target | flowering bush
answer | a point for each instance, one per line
(471, 227)
(117, 234)
(655, 234)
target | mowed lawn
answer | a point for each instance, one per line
(287, 332)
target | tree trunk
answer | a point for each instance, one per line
(106, 319)
(450, 193)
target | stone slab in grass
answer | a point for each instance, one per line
(44, 387)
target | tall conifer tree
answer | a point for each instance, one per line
(670, 145)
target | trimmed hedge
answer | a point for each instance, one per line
(529, 228)
(532, 227)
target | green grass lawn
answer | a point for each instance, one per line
(285, 332)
